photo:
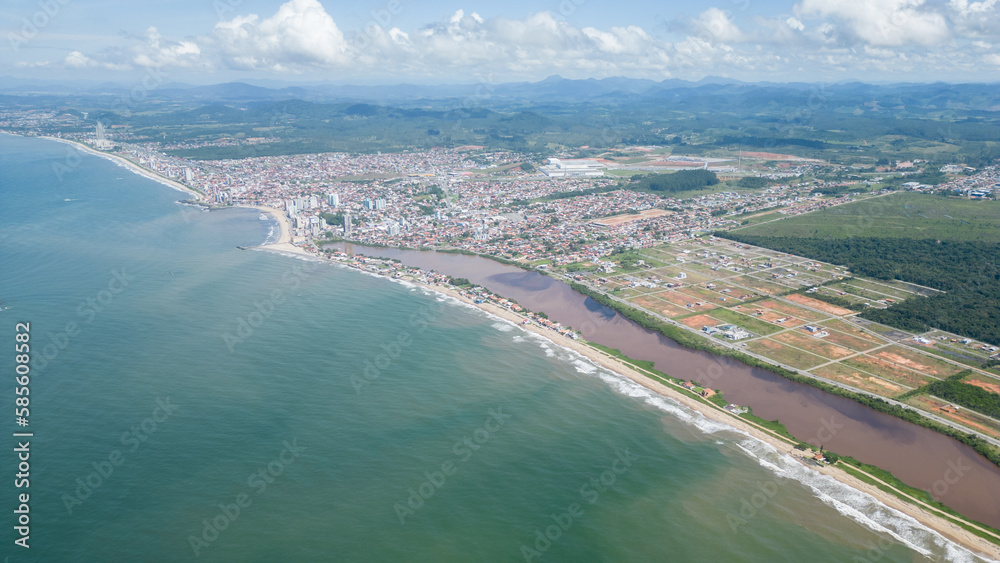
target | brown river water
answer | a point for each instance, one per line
(922, 458)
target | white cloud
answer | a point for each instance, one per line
(883, 23)
(715, 24)
(825, 36)
(76, 59)
(965, 8)
(301, 33)
(159, 52)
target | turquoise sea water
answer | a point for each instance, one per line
(217, 404)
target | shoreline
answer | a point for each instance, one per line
(945, 528)
(924, 516)
(133, 167)
(284, 242)
(284, 245)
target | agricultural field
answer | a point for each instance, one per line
(897, 215)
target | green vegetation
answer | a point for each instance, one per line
(947, 244)
(897, 215)
(333, 219)
(690, 340)
(752, 183)
(460, 282)
(772, 425)
(835, 300)
(969, 396)
(747, 322)
(968, 271)
(869, 474)
(683, 181)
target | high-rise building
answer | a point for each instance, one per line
(333, 200)
(188, 175)
(347, 224)
(380, 203)
(100, 141)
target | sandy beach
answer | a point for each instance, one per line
(925, 516)
(937, 523)
(145, 172)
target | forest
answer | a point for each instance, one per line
(968, 396)
(682, 181)
(968, 271)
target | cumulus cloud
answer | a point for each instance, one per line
(716, 24)
(301, 33)
(883, 23)
(966, 8)
(825, 36)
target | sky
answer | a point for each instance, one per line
(459, 41)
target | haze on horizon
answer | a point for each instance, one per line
(391, 41)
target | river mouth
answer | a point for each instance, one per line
(922, 458)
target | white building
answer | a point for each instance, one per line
(575, 168)
(333, 200)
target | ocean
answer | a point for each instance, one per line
(190, 400)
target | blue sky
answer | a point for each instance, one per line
(207, 41)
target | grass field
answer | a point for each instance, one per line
(819, 346)
(897, 215)
(755, 326)
(785, 354)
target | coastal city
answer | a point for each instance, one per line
(572, 281)
(563, 211)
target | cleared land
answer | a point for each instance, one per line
(897, 215)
